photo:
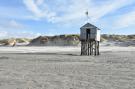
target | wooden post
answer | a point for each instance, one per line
(87, 47)
(81, 47)
(90, 47)
(98, 47)
(95, 48)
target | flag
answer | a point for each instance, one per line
(87, 13)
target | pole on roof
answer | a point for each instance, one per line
(87, 15)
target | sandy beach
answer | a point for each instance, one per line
(64, 68)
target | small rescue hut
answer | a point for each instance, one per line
(90, 38)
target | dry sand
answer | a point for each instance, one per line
(64, 68)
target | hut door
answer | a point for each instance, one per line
(88, 34)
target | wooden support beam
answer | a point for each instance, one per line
(82, 48)
(95, 49)
(90, 48)
(98, 47)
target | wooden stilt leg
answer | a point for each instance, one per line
(81, 48)
(85, 48)
(98, 47)
(88, 48)
(95, 48)
(92, 48)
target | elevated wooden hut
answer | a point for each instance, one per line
(90, 38)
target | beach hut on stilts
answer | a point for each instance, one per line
(90, 39)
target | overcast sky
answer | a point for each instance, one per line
(31, 18)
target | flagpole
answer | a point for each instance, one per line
(87, 15)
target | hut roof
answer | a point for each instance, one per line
(88, 25)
